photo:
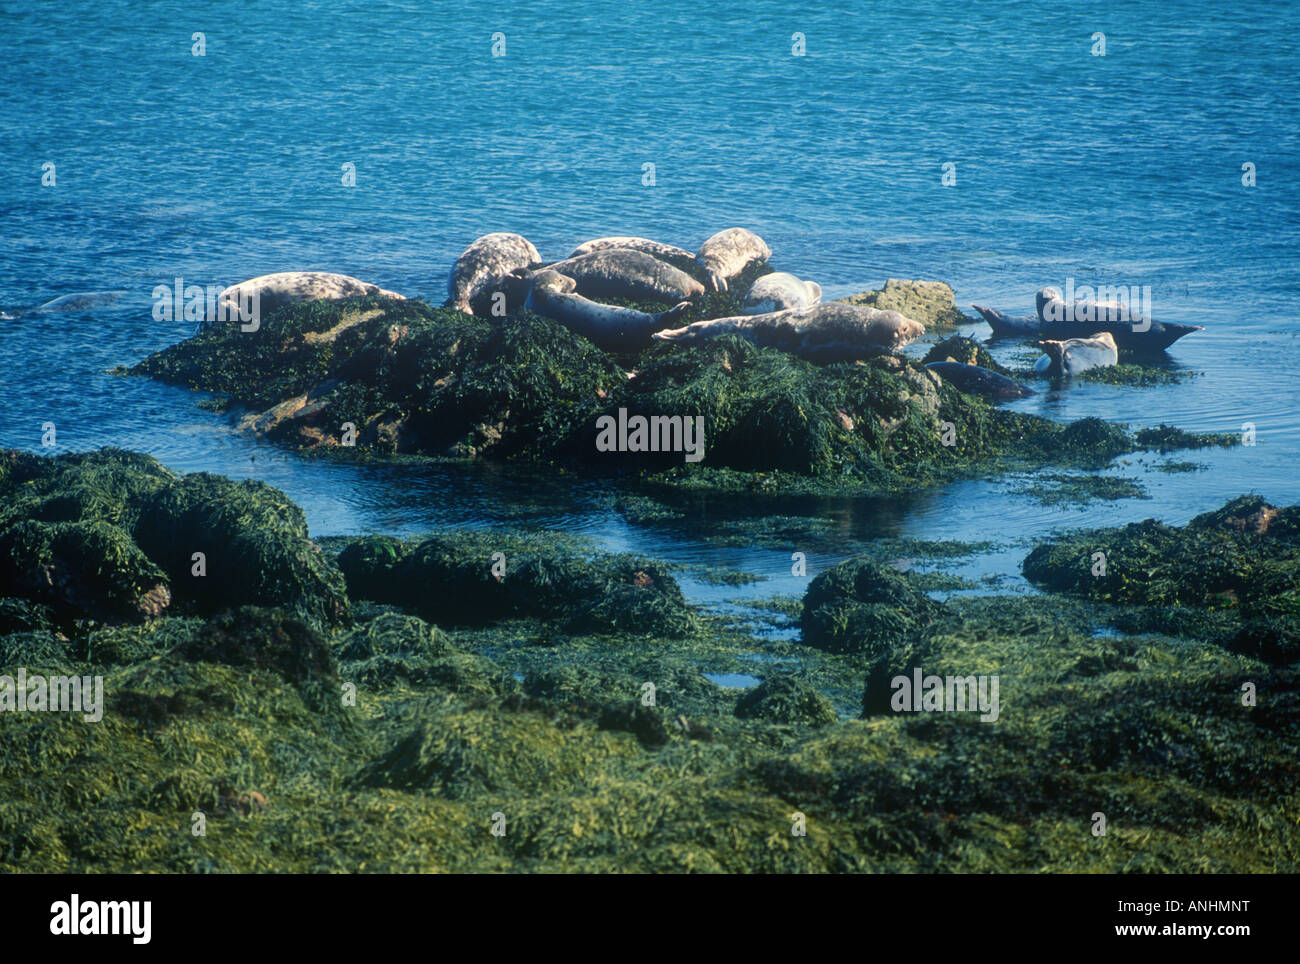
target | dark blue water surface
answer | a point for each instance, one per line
(1122, 169)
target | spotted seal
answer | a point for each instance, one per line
(485, 266)
(728, 253)
(669, 254)
(628, 274)
(609, 327)
(825, 333)
(272, 291)
(780, 291)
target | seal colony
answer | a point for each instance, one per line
(798, 395)
(624, 293)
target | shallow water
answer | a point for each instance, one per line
(1123, 169)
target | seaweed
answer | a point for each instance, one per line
(1244, 555)
(475, 578)
(861, 606)
(787, 700)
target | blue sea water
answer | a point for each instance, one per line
(1118, 169)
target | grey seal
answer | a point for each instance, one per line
(609, 327)
(780, 291)
(669, 254)
(78, 301)
(827, 332)
(1074, 356)
(273, 291)
(1132, 332)
(728, 253)
(628, 274)
(975, 380)
(486, 265)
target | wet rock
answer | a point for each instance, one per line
(930, 302)
(964, 351)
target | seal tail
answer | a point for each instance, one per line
(1002, 323)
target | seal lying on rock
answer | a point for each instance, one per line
(975, 380)
(1076, 355)
(628, 274)
(825, 333)
(728, 253)
(679, 258)
(612, 328)
(1081, 319)
(487, 264)
(780, 291)
(1004, 324)
(273, 291)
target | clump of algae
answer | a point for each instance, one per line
(111, 535)
(476, 577)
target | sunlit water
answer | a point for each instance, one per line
(1123, 169)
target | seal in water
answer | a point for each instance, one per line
(1004, 324)
(780, 291)
(669, 254)
(79, 301)
(975, 380)
(1132, 332)
(1076, 355)
(825, 333)
(286, 287)
(611, 328)
(623, 273)
(728, 253)
(487, 264)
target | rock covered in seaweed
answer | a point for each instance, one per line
(113, 535)
(476, 578)
(1244, 555)
(786, 699)
(861, 606)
